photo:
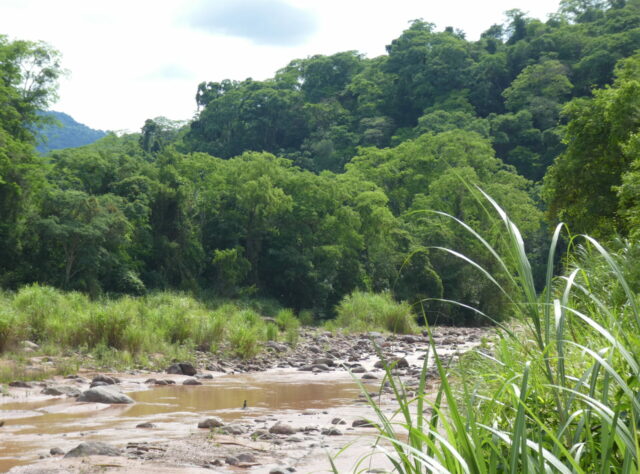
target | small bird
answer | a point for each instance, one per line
(244, 405)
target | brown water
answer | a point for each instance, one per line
(32, 428)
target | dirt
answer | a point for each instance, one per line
(307, 400)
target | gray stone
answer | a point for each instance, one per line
(182, 368)
(282, 429)
(106, 379)
(145, 425)
(91, 449)
(369, 376)
(191, 382)
(20, 384)
(99, 383)
(56, 451)
(331, 432)
(213, 422)
(62, 390)
(363, 424)
(30, 345)
(324, 361)
(233, 429)
(338, 421)
(246, 457)
(104, 395)
(232, 460)
(358, 370)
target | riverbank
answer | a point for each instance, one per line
(306, 388)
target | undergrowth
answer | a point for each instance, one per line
(558, 390)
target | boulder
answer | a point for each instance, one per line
(145, 425)
(20, 384)
(213, 422)
(106, 379)
(182, 368)
(104, 395)
(62, 390)
(331, 432)
(282, 429)
(363, 424)
(92, 448)
(191, 382)
(235, 430)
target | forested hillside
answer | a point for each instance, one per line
(59, 130)
(319, 181)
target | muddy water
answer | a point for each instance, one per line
(32, 428)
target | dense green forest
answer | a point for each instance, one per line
(321, 181)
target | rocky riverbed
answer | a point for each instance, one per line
(287, 410)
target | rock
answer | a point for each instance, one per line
(324, 361)
(20, 384)
(282, 429)
(30, 345)
(145, 425)
(246, 457)
(62, 390)
(310, 412)
(369, 376)
(56, 451)
(322, 367)
(106, 379)
(182, 368)
(261, 435)
(213, 422)
(232, 460)
(91, 449)
(358, 370)
(294, 439)
(277, 346)
(331, 432)
(362, 424)
(410, 339)
(98, 384)
(191, 382)
(151, 381)
(233, 429)
(279, 470)
(338, 421)
(104, 395)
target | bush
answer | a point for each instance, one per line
(361, 311)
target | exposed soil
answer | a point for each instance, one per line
(307, 389)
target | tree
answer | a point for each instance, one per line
(580, 187)
(90, 231)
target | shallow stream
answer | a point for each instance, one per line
(32, 427)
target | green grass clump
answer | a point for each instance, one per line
(558, 390)
(361, 311)
(125, 331)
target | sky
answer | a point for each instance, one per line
(130, 60)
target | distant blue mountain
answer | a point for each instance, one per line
(68, 134)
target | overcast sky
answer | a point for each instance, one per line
(129, 60)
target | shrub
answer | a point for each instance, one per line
(361, 311)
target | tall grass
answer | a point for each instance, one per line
(362, 311)
(127, 328)
(557, 391)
